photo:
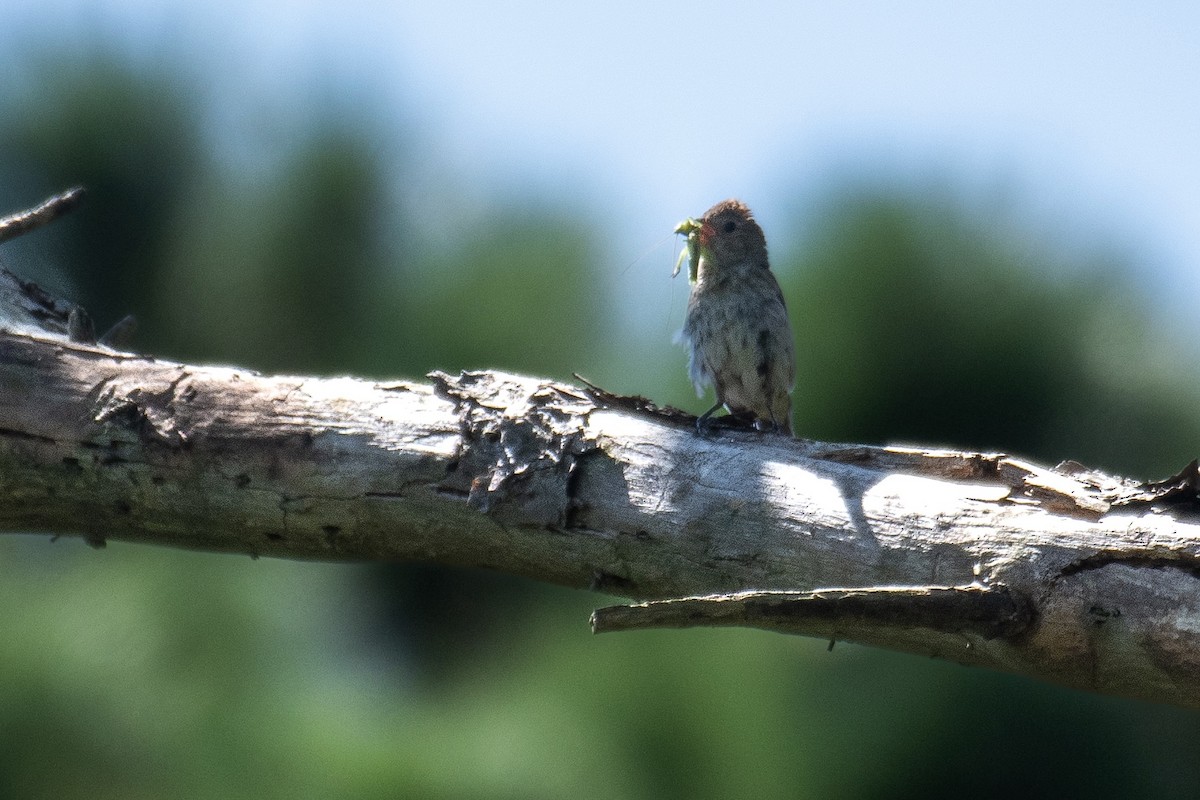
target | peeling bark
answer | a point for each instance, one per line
(983, 559)
(1062, 574)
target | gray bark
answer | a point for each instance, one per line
(1061, 574)
(983, 559)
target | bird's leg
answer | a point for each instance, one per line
(702, 420)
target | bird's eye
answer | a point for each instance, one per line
(729, 227)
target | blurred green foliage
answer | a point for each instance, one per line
(131, 137)
(145, 673)
(924, 321)
(279, 271)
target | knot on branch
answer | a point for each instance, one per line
(521, 443)
(142, 414)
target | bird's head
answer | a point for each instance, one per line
(728, 231)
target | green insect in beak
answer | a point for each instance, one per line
(691, 229)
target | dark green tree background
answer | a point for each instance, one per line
(136, 672)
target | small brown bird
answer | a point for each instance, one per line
(737, 327)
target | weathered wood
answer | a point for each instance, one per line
(552, 482)
(1063, 574)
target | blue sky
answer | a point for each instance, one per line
(1086, 115)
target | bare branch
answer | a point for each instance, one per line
(51, 209)
(1062, 574)
(986, 611)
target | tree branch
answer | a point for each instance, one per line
(1062, 574)
(984, 611)
(51, 209)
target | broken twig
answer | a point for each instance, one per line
(51, 209)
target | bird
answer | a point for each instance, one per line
(737, 329)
